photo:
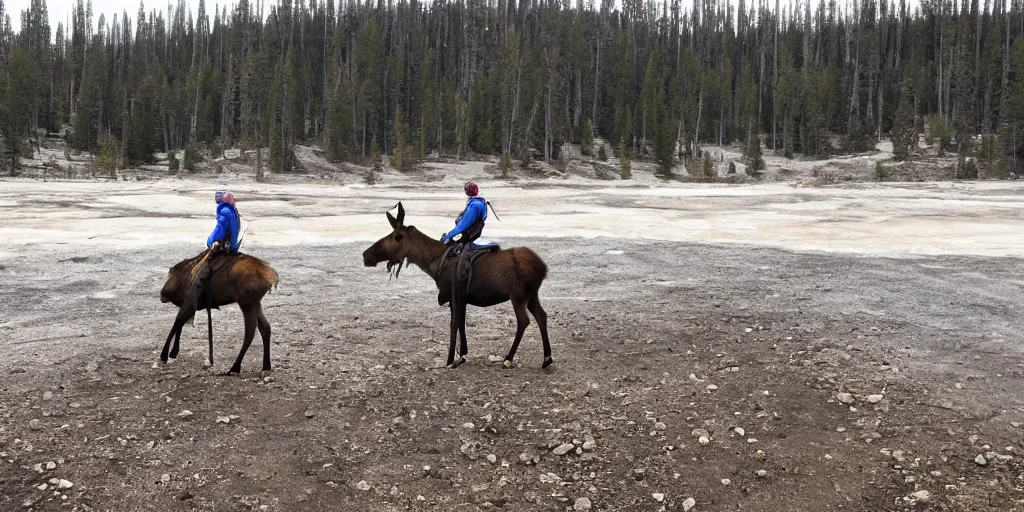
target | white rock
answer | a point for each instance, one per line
(658, 496)
(688, 504)
(712, 387)
(922, 496)
(844, 398)
(703, 440)
(363, 486)
(874, 399)
(761, 473)
(563, 449)
(223, 419)
(492, 458)
(47, 395)
(699, 432)
(42, 487)
(660, 426)
(495, 359)
(582, 504)
(165, 478)
(185, 414)
(64, 484)
(50, 466)
(726, 481)
(35, 424)
(468, 425)
(739, 431)
(981, 460)
(589, 445)
(38, 468)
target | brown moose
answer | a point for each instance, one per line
(505, 275)
(241, 279)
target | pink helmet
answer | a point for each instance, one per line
(471, 189)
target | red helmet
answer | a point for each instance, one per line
(471, 189)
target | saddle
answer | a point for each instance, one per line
(465, 256)
(204, 277)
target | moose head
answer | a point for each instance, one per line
(393, 248)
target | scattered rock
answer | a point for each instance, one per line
(42, 487)
(310, 413)
(494, 359)
(1015, 424)
(739, 431)
(363, 486)
(165, 478)
(688, 504)
(712, 387)
(185, 415)
(35, 424)
(981, 460)
(47, 395)
(658, 496)
(703, 440)
(874, 399)
(660, 426)
(761, 473)
(589, 445)
(699, 432)
(921, 496)
(468, 425)
(492, 458)
(582, 504)
(563, 449)
(726, 481)
(50, 466)
(844, 398)
(223, 419)
(64, 484)
(38, 468)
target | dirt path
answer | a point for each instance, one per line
(656, 343)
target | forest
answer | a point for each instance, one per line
(517, 79)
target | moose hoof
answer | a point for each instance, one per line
(457, 363)
(547, 362)
(508, 364)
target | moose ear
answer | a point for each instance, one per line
(392, 220)
(401, 214)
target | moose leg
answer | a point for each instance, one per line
(177, 341)
(522, 321)
(250, 331)
(184, 313)
(453, 329)
(264, 326)
(542, 322)
(460, 322)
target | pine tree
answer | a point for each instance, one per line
(904, 130)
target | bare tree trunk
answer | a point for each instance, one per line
(775, 81)
(597, 76)
(696, 127)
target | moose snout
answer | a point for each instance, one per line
(367, 260)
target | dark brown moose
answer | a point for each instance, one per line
(505, 275)
(241, 279)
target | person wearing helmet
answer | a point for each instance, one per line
(470, 223)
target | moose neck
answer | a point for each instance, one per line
(424, 252)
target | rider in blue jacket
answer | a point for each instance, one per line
(475, 212)
(225, 235)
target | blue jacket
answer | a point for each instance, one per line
(476, 209)
(228, 226)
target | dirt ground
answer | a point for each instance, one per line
(837, 348)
